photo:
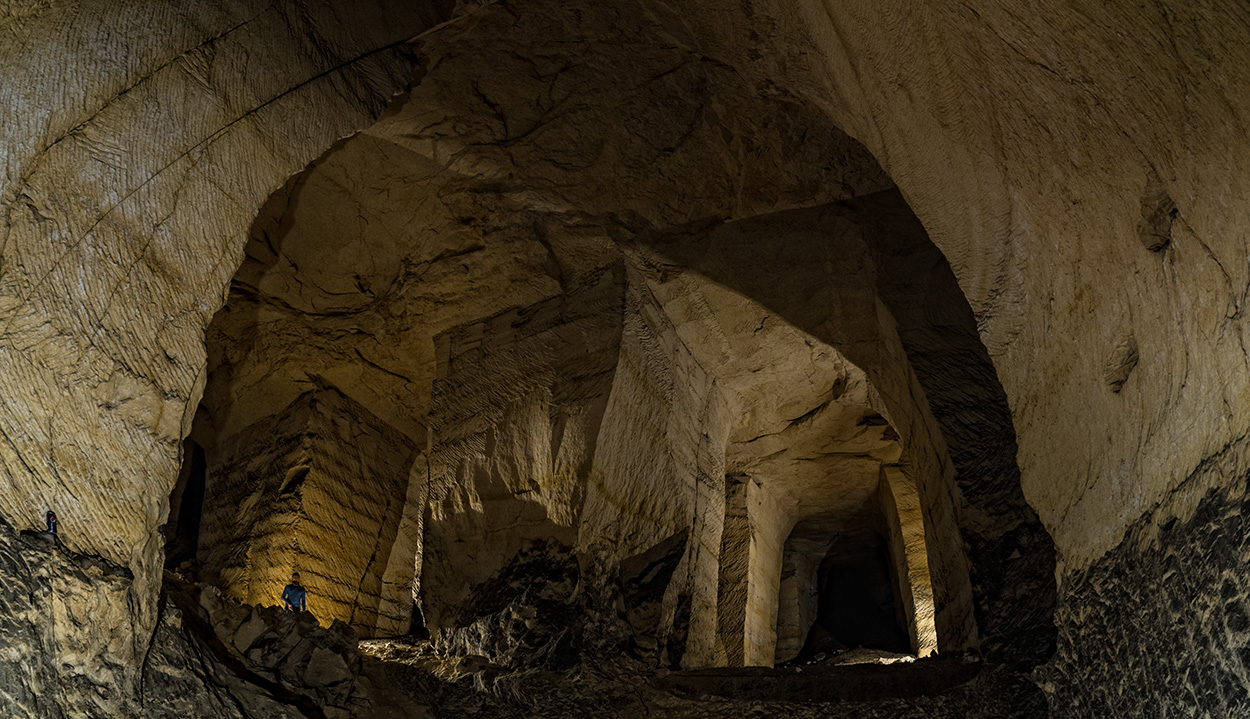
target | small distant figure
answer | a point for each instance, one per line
(51, 519)
(293, 595)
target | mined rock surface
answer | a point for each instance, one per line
(330, 504)
(66, 628)
(213, 657)
(300, 661)
(138, 142)
(1082, 166)
(1165, 568)
(206, 658)
(710, 379)
(460, 687)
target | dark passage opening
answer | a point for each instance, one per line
(857, 605)
(186, 505)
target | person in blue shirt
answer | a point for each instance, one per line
(293, 595)
(51, 519)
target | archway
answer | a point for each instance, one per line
(411, 271)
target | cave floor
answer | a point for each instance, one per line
(410, 679)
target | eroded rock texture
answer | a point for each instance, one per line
(320, 488)
(205, 657)
(70, 608)
(211, 657)
(1133, 597)
(638, 285)
(128, 183)
(713, 370)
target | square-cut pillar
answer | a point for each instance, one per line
(752, 543)
(576, 432)
(319, 488)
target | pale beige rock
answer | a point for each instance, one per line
(319, 489)
(1033, 145)
(1028, 144)
(138, 141)
(904, 518)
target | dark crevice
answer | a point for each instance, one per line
(186, 506)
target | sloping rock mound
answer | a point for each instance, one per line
(259, 653)
(58, 612)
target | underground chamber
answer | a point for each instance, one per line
(773, 442)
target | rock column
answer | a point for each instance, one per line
(319, 488)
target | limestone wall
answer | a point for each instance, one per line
(1040, 150)
(320, 489)
(849, 317)
(664, 400)
(518, 404)
(139, 140)
(140, 144)
(1041, 137)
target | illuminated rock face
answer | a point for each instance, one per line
(582, 436)
(1082, 170)
(319, 489)
(138, 142)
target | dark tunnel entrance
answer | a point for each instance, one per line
(186, 507)
(858, 605)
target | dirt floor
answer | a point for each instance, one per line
(411, 679)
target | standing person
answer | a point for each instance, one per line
(293, 595)
(51, 519)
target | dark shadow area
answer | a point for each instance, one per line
(854, 682)
(1011, 554)
(186, 507)
(856, 606)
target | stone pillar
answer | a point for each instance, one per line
(905, 534)
(752, 541)
(319, 488)
(798, 601)
(703, 571)
(658, 469)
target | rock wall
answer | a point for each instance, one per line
(665, 399)
(849, 317)
(479, 227)
(1061, 138)
(143, 185)
(69, 647)
(904, 528)
(756, 527)
(538, 416)
(1051, 137)
(140, 139)
(799, 594)
(518, 404)
(205, 657)
(1168, 603)
(1031, 142)
(1011, 556)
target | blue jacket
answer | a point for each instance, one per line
(293, 595)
